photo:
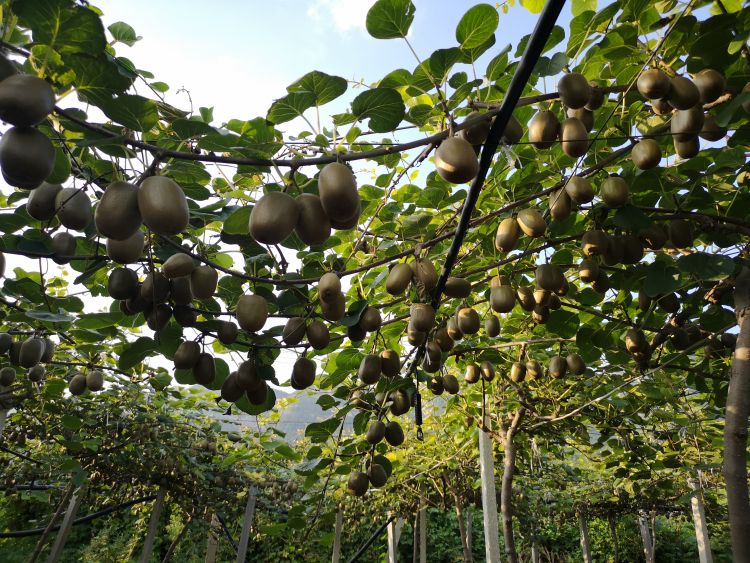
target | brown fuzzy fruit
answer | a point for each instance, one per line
(472, 374)
(163, 205)
(318, 334)
(468, 320)
(502, 299)
(358, 483)
(313, 225)
(574, 90)
(710, 84)
(584, 115)
(457, 287)
(456, 161)
(687, 124)
(653, 84)
(711, 131)
(508, 232)
(251, 312)
(203, 282)
(390, 363)
(73, 208)
(425, 273)
(303, 373)
(398, 279)
(369, 369)
(27, 157)
(614, 191)
(646, 154)
(543, 129)
(273, 218)
(531, 222)
(687, 149)
(560, 205)
(41, 202)
(683, 94)
(126, 251)
(294, 331)
(117, 216)
(579, 189)
(339, 197)
(329, 287)
(422, 317)
(574, 137)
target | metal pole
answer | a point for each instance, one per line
(247, 523)
(585, 546)
(489, 498)
(699, 520)
(337, 536)
(369, 542)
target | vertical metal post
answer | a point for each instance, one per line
(699, 520)
(394, 535)
(247, 523)
(337, 535)
(423, 534)
(489, 498)
(585, 545)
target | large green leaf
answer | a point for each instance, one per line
(707, 266)
(64, 27)
(133, 111)
(322, 86)
(383, 106)
(290, 107)
(135, 352)
(390, 19)
(477, 25)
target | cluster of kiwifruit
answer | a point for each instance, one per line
(540, 300)
(686, 97)
(531, 369)
(29, 354)
(92, 381)
(528, 221)
(277, 214)
(332, 300)
(375, 474)
(316, 331)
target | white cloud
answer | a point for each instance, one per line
(344, 14)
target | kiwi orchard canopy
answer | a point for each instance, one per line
(588, 298)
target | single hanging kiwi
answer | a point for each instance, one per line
(596, 100)
(155, 288)
(318, 334)
(358, 484)
(574, 90)
(230, 389)
(294, 331)
(122, 283)
(614, 191)
(653, 84)
(163, 205)
(450, 383)
(27, 157)
(531, 222)
(560, 205)
(126, 251)
(339, 197)
(425, 273)
(614, 251)
(574, 137)
(687, 149)
(95, 381)
(63, 247)
(635, 341)
(303, 373)
(456, 161)
(117, 216)
(422, 317)
(476, 134)
(370, 320)
(540, 314)
(534, 370)
(549, 277)
(313, 225)
(710, 84)
(579, 189)
(646, 154)
(375, 432)
(451, 327)
(204, 371)
(73, 208)
(390, 363)
(543, 129)
(334, 311)
(186, 355)
(508, 233)
(273, 218)
(492, 326)
(584, 115)
(557, 367)
(159, 316)
(329, 287)
(525, 296)
(457, 287)
(398, 279)
(576, 365)
(472, 374)
(502, 299)
(443, 339)
(513, 131)
(468, 320)
(251, 312)
(178, 265)
(681, 233)
(683, 94)
(517, 372)
(49, 350)
(370, 369)
(77, 384)
(601, 283)
(687, 124)
(711, 131)
(400, 402)
(203, 281)
(227, 332)
(588, 270)
(41, 202)
(31, 351)
(632, 249)
(25, 100)
(180, 292)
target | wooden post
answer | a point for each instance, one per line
(469, 528)
(337, 535)
(489, 498)
(247, 523)
(213, 539)
(394, 535)
(648, 543)
(45, 534)
(415, 539)
(3, 418)
(67, 524)
(699, 520)
(423, 534)
(153, 526)
(585, 546)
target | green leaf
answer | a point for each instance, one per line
(238, 222)
(64, 27)
(322, 86)
(632, 218)
(383, 106)
(580, 6)
(390, 19)
(136, 352)
(660, 279)
(707, 266)
(133, 111)
(477, 25)
(725, 115)
(123, 33)
(354, 313)
(290, 107)
(533, 6)
(71, 422)
(43, 315)
(550, 67)
(563, 323)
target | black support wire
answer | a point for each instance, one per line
(361, 551)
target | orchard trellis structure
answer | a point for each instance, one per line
(566, 363)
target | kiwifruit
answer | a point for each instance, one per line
(204, 370)
(180, 292)
(377, 475)
(517, 372)
(597, 97)
(227, 332)
(456, 161)
(584, 115)
(534, 370)
(422, 317)
(350, 223)
(487, 371)
(653, 84)
(632, 249)
(579, 189)
(390, 363)
(687, 149)
(425, 273)
(549, 277)
(554, 302)
(635, 341)
(360, 399)
(7, 376)
(303, 373)
(431, 365)
(258, 394)
(73, 208)
(576, 365)
(680, 339)
(614, 191)
(375, 432)
(710, 84)
(472, 374)
(230, 389)
(5, 342)
(117, 216)
(27, 157)
(126, 251)
(137, 304)
(450, 383)
(31, 352)
(370, 320)
(329, 287)
(248, 378)
(337, 186)
(159, 316)
(681, 233)
(508, 232)
(122, 283)
(540, 314)
(502, 299)
(398, 279)
(335, 310)
(492, 326)
(457, 287)
(394, 435)
(669, 303)
(95, 380)
(15, 352)
(433, 351)
(178, 265)
(415, 337)
(163, 205)
(318, 334)
(601, 283)
(49, 350)
(542, 296)
(644, 301)
(513, 131)
(574, 137)
(543, 129)
(646, 154)
(654, 236)
(273, 218)
(560, 205)
(77, 384)
(400, 402)
(711, 131)
(661, 107)
(451, 326)
(683, 94)
(476, 134)
(251, 312)
(531, 222)
(313, 225)
(358, 483)
(687, 123)
(443, 339)
(25, 100)
(574, 90)
(468, 320)
(369, 369)
(613, 255)
(41, 202)
(186, 355)
(588, 270)
(294, 331)
(557, 367)
(155, 288)
(356, 333)
(203, 281)
(36, 373)
(525, 296)
(63, 247)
